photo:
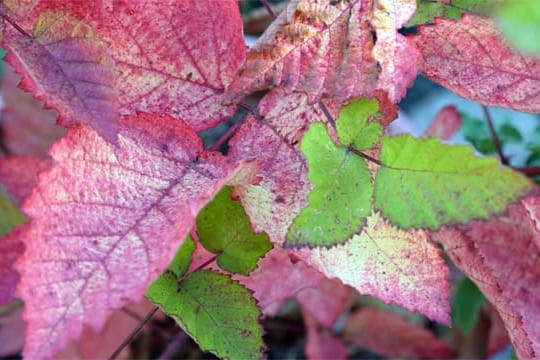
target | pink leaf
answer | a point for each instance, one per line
(326, 301)
(470, 57)
(319, 48)
(278, 277)
(388, 334)
(173, 57)
(28, 128)
(19, 174)
(107, 220)
(12, 329)
(445, 124)
(65, 64)
(532, 204)
(498, 336)
(502, 257)
(398, 56)
(320, 343)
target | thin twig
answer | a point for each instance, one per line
(16, 26)
(202, 266)
(174, 346)
(269, 9)
(529, 171)
(131, 313)
(134, 333)
(502, 157)
(327, 114)
(227, 135)
(365, 156)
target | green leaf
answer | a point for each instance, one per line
(10, 216)
(217, 312)
(180, 264)
(520, 23)
(341, 196)
(224, 229)
(508, 133)
(426, 184)
(353, 128)
(466, 305)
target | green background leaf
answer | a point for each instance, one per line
(520, 23)
(426, 184)
(218, 313)
(10, 216)
(466, 305)
(341, 196)
(225, 229)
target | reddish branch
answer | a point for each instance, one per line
(16, 26)
(269, 9)
(496, 141)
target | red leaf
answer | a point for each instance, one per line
(278, 277)
(388, 334)
(315, 47)
(445, 124)
(28, 128)
(107, 220)
(470, 57)
(502, 257)
(19, 174)
(12, 329)
(173, 57)
(498, 336)
(320, 343)
(398, 56)
(65, 64)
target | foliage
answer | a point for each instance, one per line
(312, 200)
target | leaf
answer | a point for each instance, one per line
(498, 336)
(520, 22)
(466, 305)
(11, 249)
(428, 10)
(445, 124)
(390, 335)
(279, 276)
(509, 133)
(65, 64)
(217, 312)
(225, 230)
(172, 57)
(337, 205)
(391, 264)
(11, 330)
(28, 129)
(320, 342)
(398, 57)
(425, 184)
(107, 220)
(19, 174)
(470, 58)
(501, 257)
(319, 48)
(181, 261)
(352, 125)
(532, 204)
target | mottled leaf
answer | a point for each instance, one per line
(225, 230)
(172, 57)
(337, 205)
(28, 129)
(466, 305)
(398, 57)
(532, 204)
(217, 312)
(316, 47)
(393, 265)
(388, 334)
(107, 220)
(502, 257)
(471, 58)
(445, 124)
(353, 128)
(19, 174)
(320, 342)
(425, 184)
(66, 65)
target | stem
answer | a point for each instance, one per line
(202, 266)
(529, 171)
(504, 159)
(327, 114)
(227, 135)
(174, 346)
(269, 9)
(131, 313)
(134, 333)
(16, 26)
(366, 156)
